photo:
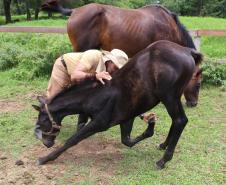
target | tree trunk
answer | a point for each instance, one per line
(37, 8)
(50, 14)
(6, 4)
(200, 7)
(17, 7)
(28, 10)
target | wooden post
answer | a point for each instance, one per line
(197, 38)
(197, 42)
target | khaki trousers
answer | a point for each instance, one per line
(59, 80)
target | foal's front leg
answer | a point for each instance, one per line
(88, 130)
(126, 129)
(179, 121)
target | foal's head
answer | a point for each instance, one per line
(46, 128)
(191, 91)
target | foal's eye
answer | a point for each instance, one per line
(198, 85)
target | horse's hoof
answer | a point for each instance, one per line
(41, 161)
(161, 147)
(160, 164)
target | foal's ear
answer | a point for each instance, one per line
(41, 99)
(36, 107)
(199, 72)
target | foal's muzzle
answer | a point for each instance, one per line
(38, 132)
(191, 104)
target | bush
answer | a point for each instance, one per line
(214, 73)
(31, 55)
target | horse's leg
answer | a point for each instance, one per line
(82, 120)
(90, 129)
(126, 129)
(179, 121)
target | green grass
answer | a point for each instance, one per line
(214, 47)
(210, 23)
(198, 158)
(56, 20)
(43, 22)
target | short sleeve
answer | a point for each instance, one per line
(91, 59)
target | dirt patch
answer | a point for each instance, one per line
(33, 95)
(10, 106)
(94, 158)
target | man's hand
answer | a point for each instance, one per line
(103, 76)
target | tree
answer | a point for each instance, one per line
(28, 10)
(6, 4)
(17, 7)
(37, 8)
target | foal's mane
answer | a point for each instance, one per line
(82, 87)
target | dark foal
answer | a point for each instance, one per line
(157, 74)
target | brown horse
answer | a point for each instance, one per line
(96, 26)
(137, 87)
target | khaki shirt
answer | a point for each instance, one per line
(91, 59)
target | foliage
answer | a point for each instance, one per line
(31, 55)
(214, 73)
(197, 8)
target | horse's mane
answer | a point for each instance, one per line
(187, 38)
(188, 42)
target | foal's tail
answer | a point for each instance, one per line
(198, 57)
(184, 32)
(55, 6)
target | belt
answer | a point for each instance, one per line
(63, 62)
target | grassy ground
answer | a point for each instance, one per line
(210, 23)
(56, 20)
(198, 158)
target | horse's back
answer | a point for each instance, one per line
(162, 63)
(96, 26)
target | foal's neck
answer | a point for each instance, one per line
(71, 101)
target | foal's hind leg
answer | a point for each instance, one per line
(126, 129)
(179, 121)
(82, 120)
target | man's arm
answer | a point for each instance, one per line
(80, 74)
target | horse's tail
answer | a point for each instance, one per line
(184, 32)
(55, 6)
(198, 57)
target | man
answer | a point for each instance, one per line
(72, 68)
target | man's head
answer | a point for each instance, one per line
(114, 60)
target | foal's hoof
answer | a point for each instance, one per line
(41, 161)
(162, 146)
(160, 164)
